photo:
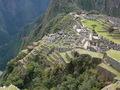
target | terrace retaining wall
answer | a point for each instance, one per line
(114, 62)
(105, 74)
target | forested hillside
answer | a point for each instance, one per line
(14, 15)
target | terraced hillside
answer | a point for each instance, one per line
(80, 44)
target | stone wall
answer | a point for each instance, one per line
(97, 60)
(22, 54)
(67, 56)
(62, 49)
(106, 44)
(105, 74)
(114, 63)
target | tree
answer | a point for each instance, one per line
(111, 29)
(94, 25)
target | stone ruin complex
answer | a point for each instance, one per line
(62, 46)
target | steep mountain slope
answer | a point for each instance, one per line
(11, 49)
(110, 7)
(15, 13)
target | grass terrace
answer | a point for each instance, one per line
(70, 55)
(64, 57)
(98, 28)
(114, 54)
(92, 54)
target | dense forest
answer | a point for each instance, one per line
(79, 74)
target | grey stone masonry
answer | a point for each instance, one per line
(51, 58)
(106, 74)
(67, 56)
(55, 56)
(60, 56)
(62, 49)
(115, 63)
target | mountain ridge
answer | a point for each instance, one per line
(13, 15)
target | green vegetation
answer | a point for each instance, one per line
(64, 57)
(98, 28)
(64, 24)
(60, 22)
(77, 75)
(93, 12)
(111, 29)
(89, 24)
(114, 54)
(94, 25)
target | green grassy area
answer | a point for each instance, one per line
(88, 23)
(64, 57)
(24, 51)
(70, 55)
(92, 54)
(101, 21)
(64, 24)
(114, 54)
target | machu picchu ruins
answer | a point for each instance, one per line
(60, 45)
(89, 36)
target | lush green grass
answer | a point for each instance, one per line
(89, 24)
(64, 24)
(93, 54)
(70, 55)
(64, 57)
(114, 54)
(99, 28)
